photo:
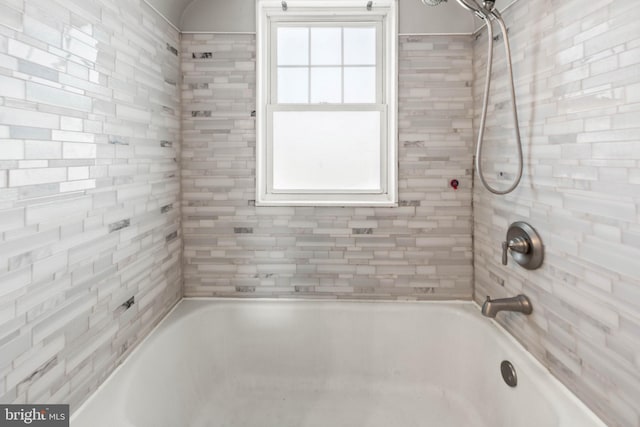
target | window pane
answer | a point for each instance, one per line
(326, 46)
(360, 46)
(293, 85)
(293, 46)
(326, 85)
(322, 150)
(360, 85)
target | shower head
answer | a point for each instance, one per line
(481, 11)
(433, 2)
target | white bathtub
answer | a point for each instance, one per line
(249, 363)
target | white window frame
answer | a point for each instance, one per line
(271, 13)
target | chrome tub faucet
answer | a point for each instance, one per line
(519, 303)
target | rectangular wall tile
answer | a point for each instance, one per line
(575, 81)
(234, 248)
(64, 265)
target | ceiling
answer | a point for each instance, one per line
(239, 16)
(171, 9)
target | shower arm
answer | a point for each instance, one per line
(483, 118)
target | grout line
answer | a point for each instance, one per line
(434, 34)
(220, 32)
(399, 34)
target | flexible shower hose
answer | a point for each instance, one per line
(485, 103)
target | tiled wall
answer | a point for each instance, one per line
(577, 67)
(419, 250)
(90, 206)
(89, 190)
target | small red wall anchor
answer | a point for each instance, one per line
(454, 183)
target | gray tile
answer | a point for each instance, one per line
(58, 262)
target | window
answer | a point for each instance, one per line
(326, 113)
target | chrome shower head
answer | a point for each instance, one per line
(433, 2)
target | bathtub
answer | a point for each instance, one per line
(275, 363)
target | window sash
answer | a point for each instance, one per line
(324, 22)
(383, 147)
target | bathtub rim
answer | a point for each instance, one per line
(167, 321)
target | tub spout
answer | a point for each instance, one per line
(519, 303)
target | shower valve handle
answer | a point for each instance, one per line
(517, 244)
